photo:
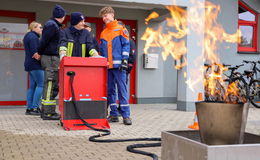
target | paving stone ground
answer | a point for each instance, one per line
(25, 137)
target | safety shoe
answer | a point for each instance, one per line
(54, 116)
(127, 121)
(33, 111)
(28, 112)
(113, 119)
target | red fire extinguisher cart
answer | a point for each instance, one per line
(90, 89)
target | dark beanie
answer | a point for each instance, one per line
(58, 12)
(75, 18)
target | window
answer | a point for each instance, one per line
(247, 23)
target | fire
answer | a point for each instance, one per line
(170, 38)
(165, 38)
(153, 15)
(215, 34)
(234, 94)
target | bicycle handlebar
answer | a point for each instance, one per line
(236, 67)
(254, 62)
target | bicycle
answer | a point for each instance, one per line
(253, 83)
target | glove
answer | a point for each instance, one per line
(93, 53)
(124, 65)
(130, 66)
(62, 52)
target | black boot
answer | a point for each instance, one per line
(54, 116)
(33, 111)
(28, 112)
(42, 112)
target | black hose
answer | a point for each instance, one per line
(130, 148)
(107, 132)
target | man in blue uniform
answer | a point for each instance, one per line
(75, 40)
(115, 46)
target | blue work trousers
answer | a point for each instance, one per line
(117, 78)
(34, 92)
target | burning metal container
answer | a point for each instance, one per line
(222, 123)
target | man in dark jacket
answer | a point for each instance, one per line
(132, 54)
(48, 49)
(94, 39)
(132, 57)
(76, 41)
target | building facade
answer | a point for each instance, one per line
(163, 84)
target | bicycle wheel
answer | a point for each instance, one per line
(254, 93)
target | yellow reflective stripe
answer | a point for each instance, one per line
(49, 102)
(49, 90)
(83, 50)
(62, 48)
(70, 49)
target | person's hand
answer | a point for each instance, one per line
(62, 53)
(124, 65)
(36, 56)
(96, 55)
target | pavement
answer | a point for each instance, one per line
(26, 137)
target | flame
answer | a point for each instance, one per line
(232, 94)
(153, 15)
(167, 39)
(170, 38)
(215, 34)
(213, 83)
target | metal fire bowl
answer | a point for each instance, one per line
(221, 123)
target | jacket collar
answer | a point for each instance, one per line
(58, 23)
(74, 30)
(36, 34)
(112, 24)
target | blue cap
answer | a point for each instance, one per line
(58, 11)
(75, 18)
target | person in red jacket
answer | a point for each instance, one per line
(115, 47)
